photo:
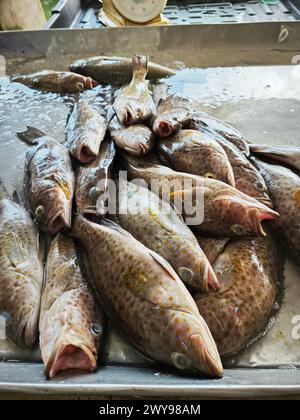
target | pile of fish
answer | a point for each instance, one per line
(184, 294)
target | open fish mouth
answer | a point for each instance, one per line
(58, 222)
(163, 128)
(70, 356)
(257, 216)
(85, 154)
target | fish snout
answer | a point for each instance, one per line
(163, 128)
(207, 358)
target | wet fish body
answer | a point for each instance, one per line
(249, 271)
(147, 300)
(21, 274)
(56, 81)
(159, 227)
(115, 70)
(285, 155)
(86, 130)
(212, 247)
(92, 181)
(71, 324)
(284, 188)
(49, 183)
(133, 103)
(194, 152)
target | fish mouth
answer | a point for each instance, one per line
(70, 356)
(211, 279)
(58, 223)
(85, 155)
(90, 83)
(265, 201)
(257, 216)
(163, 128)
(209, 360)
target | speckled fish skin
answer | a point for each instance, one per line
(212, 247)
(115, 70)
(86, 130)
(71, 324)
(49, 184)
(159, 227)
(21, 274)
(247, 177)
(227, 211)
(138, 139)
(284, 188)
(173, 112)
(285, 155)
(89, 179)
(133, 103)
(146, 299)
(57, 81)
(225, 130)
(197, 153)
(249, 271)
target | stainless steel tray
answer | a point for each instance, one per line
(261, 101)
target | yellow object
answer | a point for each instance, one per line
(110, 16)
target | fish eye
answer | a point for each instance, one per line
(210, 175)
(180, 361)
(94, 193)
(260, 186)
(185, 274)
(40, 212)
(80, 87)
(239, 230)
(96, 329)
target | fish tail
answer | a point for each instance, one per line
(30, 135)
(140, 67)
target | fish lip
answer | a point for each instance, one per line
(212, 280)
(163, 128)
(63, 222)
(85, 154)
(51, 368)
(211, 360)
(256, 216)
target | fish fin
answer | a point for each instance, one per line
(30, 135)
(140, 67)
(111, 224)
(3, 190)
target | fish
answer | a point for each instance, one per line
(86, 129)
(250, 274)
(137, 139)
(285, 155)
(247, 178)
(92, 181)
(115, 70)
(213, 207)
(71, 322)
(196, 153)
(159, 226)
(173, 113)
(212, 247)
(225, 130)
(284, 188)
(146, 300)
(56, 81)
(49, 181)
(133, 103)
(21, 274)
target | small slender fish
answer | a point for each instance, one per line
(286, 155)
(133, 103)
(71, 324)
(159, 226)
(21, 273)
(136, 139)
(196, 153)
(227, 212)
(86, 130)
(57, 81)
(284, 188)
(49, 181)
(115, 70)
(250, 272)
(146, 299)
(92, 181)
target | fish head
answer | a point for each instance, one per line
(53, 209)
(136, 140)
(131, 112)
(70, 335)
(78, 83)
(194, 349)
(254, 186)
(165, 126)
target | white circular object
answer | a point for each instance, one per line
(139, 11)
